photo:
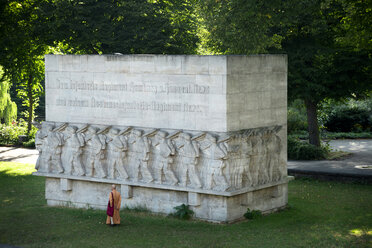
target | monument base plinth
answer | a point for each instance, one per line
(210, 207)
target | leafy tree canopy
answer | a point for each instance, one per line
(328, 43)
(31, 28)
(118, 26)
(22, 52)
(8, 109)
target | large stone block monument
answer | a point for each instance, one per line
(205, 131)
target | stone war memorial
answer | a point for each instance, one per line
(204, 131)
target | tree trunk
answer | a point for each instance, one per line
(31, 104)
(312, 122)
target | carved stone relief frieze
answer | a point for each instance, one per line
(207, 160)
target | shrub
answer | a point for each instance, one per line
(329, 135)
(183, 212)
(348, 135)
(349, 119)
(9, 134)
(296, 118)
(302, 150)
(32, 133)
(252, 214)
(296, 121)
(29, 144)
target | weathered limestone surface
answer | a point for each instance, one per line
(256, 91)
(212, 162)
(207, 131)
(206, 93)
(215, 208)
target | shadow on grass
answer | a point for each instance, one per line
(7, 150)
(321, 214)
(15, 157)
(16, 169)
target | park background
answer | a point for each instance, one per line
(329, 48)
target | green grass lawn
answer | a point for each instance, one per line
(320, 214)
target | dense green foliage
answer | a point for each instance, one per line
(347, 116)
(30, 29)
(9, 134)
(320, 214)
(106, 26)
(183, 212)
(240, 27)
(349, 120)
(296, 117)
(354, 117)
(302, 150)
(252, 214)
(22, 53)
(328, 42)
(325, 61)
(8, 108)
(295, 121)
(349, 135)
(304, 135)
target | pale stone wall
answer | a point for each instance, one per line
(209, 93)
(180, 92)
(215, 208)
(207, 131)
(256, 91)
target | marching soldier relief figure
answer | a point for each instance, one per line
(264, 166)
(89, 152)
(74, 144)
(261, 153)
(271, 147)
(53, 145)
(40, 142)
(277, 162)
(234, 168)
(96, 154)
(216, 163)
(189, 151)
(253, 154)
(255, 142)
(165, 150)
(141, 146)
(117, 148)
(245, 159)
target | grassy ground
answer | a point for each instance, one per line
(320, 214)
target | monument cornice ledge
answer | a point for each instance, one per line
(170, 131)
(164, 187)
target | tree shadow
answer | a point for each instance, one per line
(10, 159)
(7, 150)
(10, 169)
